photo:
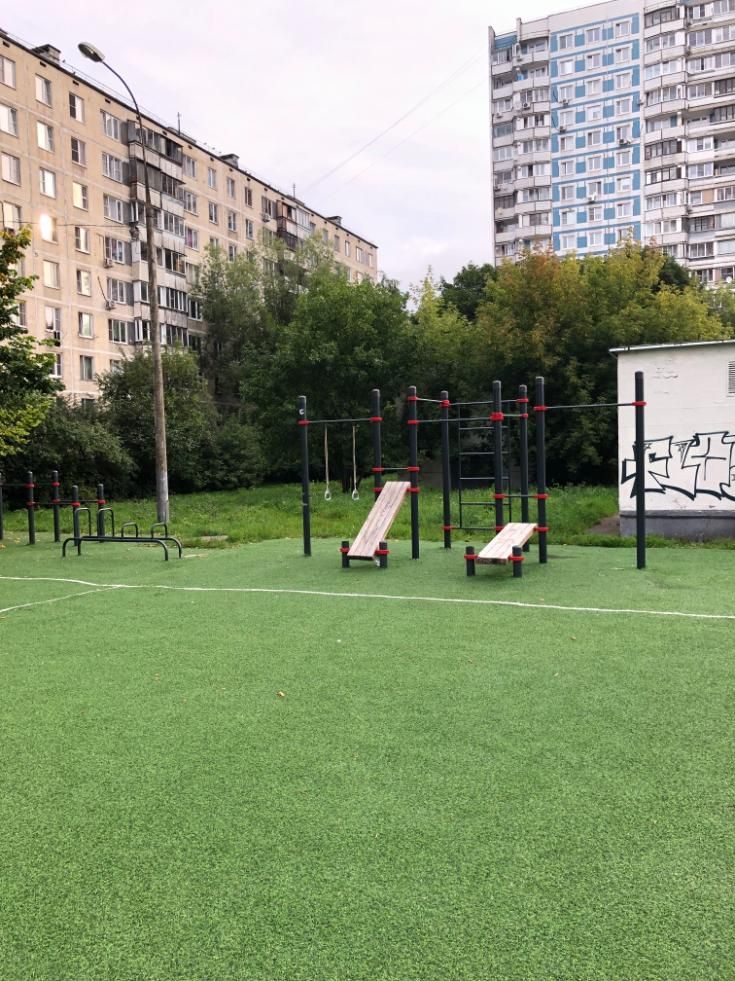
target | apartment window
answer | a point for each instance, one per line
(85, 324)
(623, 106)
(43, 90)
(84, 282)
(697, 171)
(623, 158)
(191, 238)
(50, 274)
(45, 136)
(661, 16)
(231, 252)
(347, 248)
(47, 182)
(623, 133)
(249, 197)
(213, 213)
(622, 55)
(624, 209)
(268, 207)
(10, 168)
(56, 367)
(230, 187)
(8, 120)
(624, 184)
(566, 117)
(623, 80)
(117, 331)
(593, 34)
(49, 229)
(594, 137)
(568, 242)
(594, 112)
(594, 189)
(701, 250)
(231, 221)
(113, 168)
(119, 291)
(211, 177)
(111, 125)
(566, 66)
(86, 368)
(593, 60)
(214, 241)
(594, 163)
(52, 319)
(566, 41)
(594, 213)
(567, 192)
(566, 168)
(190, 166)
(76, 107)
(190, 202)
(566, 143)
(567, 216)
(622, 28)
(249, 229)
(115, 209)
(81, 239)
(78, 152)
(10, 215)
(594, 239)
(80, 196)
(593, 87)
(7, 71)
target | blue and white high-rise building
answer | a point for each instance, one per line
(617, 121)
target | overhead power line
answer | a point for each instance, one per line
(463, 67)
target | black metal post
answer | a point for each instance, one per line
(541, 495)
(100, 510)
(345, 557)
(413, 468)
(640, 471)
(496, 417)
(522, 401)
(446, 471)
(382, 554)
(469, 558)
(2, 520)
(75, 505)
(517, 560)
(56, 504)
(303, 422)
(376, 419)
(31, 508)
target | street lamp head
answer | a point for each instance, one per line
(89, 51)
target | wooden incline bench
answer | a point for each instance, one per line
(377, 525)
(500, 549)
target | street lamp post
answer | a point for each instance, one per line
(159, 408)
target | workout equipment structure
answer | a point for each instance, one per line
(480, 438)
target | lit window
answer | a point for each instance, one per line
(86, 325)
(84, 282)
(80, 196)
(43, 90)
(81, 239)
(50, 274)
(47, 182)
(45, 136)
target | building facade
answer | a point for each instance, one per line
(71, 157)
(617, 121)
(690, 438)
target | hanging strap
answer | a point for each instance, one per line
(327, 491)
(355, 492)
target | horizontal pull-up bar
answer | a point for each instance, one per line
(315, 422)
(588, 405)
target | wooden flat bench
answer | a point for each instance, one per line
(500, 549)
(371, 537)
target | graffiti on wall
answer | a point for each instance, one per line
(702, 464)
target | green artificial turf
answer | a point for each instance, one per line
(282, 785)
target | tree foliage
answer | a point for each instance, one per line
(26, 385)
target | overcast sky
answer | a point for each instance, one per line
(297, 86)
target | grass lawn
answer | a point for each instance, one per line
(249, 764)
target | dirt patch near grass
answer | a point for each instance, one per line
(608, 526)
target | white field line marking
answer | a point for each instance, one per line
(57, 599)
(518, 604)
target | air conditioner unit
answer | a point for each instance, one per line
(57, 337)
(265, 216)
(525, 106)
(110, 304)
(565, 102)
(562, 129)
(623, 142)
(688, 209)
(592, 198)
(108, 263)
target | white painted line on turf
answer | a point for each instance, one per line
(57, 599)
(460, 600)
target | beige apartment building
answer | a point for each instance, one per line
(72, 168)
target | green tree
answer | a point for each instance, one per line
(468, 288)
(126, 398)
(559, 317)
(26, 385)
